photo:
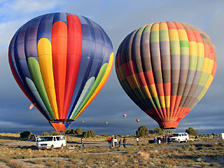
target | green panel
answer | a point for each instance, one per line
(83, 95)
(34, 69)
(163, 35)
(204, 78)
(193, 62)
(200, 63)
(174, 47)
(184, 43)
(137, 92)
(125, 84)
(147, 29)
(151, 101)
(95, 85)
(154, 36)
(202, 93)
(140, 30)
(157, 102)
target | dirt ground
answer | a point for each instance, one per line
(75, 145)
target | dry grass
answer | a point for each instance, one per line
(192, 154)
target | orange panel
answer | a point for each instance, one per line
(59, 56)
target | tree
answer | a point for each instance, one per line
(78, 131)
(151, 131)
(89, 133)
(25, 134)
(159, 130)
(45, 133)
(142, 131)
(192, 131)
(54, 133)
(70, 131)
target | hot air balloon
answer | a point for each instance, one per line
(137, 120)
(61, 61)
(106, 123)
(124, 115)
(82, 122)
(166, 68)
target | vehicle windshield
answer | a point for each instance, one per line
(39, 139)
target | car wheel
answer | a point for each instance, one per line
(52, 147)
(62, 146)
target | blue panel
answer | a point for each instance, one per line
(20, 65)
(60, 17)
(45, 27)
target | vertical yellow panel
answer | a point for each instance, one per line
(45, 60)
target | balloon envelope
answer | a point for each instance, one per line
(166, 68)
(61, 61)
(137, 120)
(124, 115)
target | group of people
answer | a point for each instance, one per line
(112, 141)
(160, 140)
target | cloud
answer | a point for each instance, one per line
(118, 19)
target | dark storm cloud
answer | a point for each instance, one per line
(118, 19)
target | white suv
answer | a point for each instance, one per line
(51, 142)
(179, 137)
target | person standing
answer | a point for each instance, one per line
(115, 141)
(124, 142)
(155, 140)
(82, 142)
(137, 140)
(120, 143)
(109, 142)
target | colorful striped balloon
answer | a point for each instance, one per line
(166, 68)
(61, 61)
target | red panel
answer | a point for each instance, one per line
(160, 90)
(171, 25)
(74, 51)
(149, 77)
(172, 105)
(179, 26)
(198, 37)
(59, 56)
(190, 35)
(142, 79)
(214, 69)
(167, 89)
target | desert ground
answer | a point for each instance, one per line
(18, 153)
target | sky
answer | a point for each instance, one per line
(118, 18)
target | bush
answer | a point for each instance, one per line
(54, 133)
(78, 131)
(89, 133)
(142, 131)
(45, 133)
(104, 135)
(25, 134)
(192, 131)
(159, 131)
(70, 131)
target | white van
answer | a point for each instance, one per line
(50, 142)
(179, 137)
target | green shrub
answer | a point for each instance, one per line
(89, 133)
(25, 134)
(45, 134)
(54, 133)
(142, 131)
